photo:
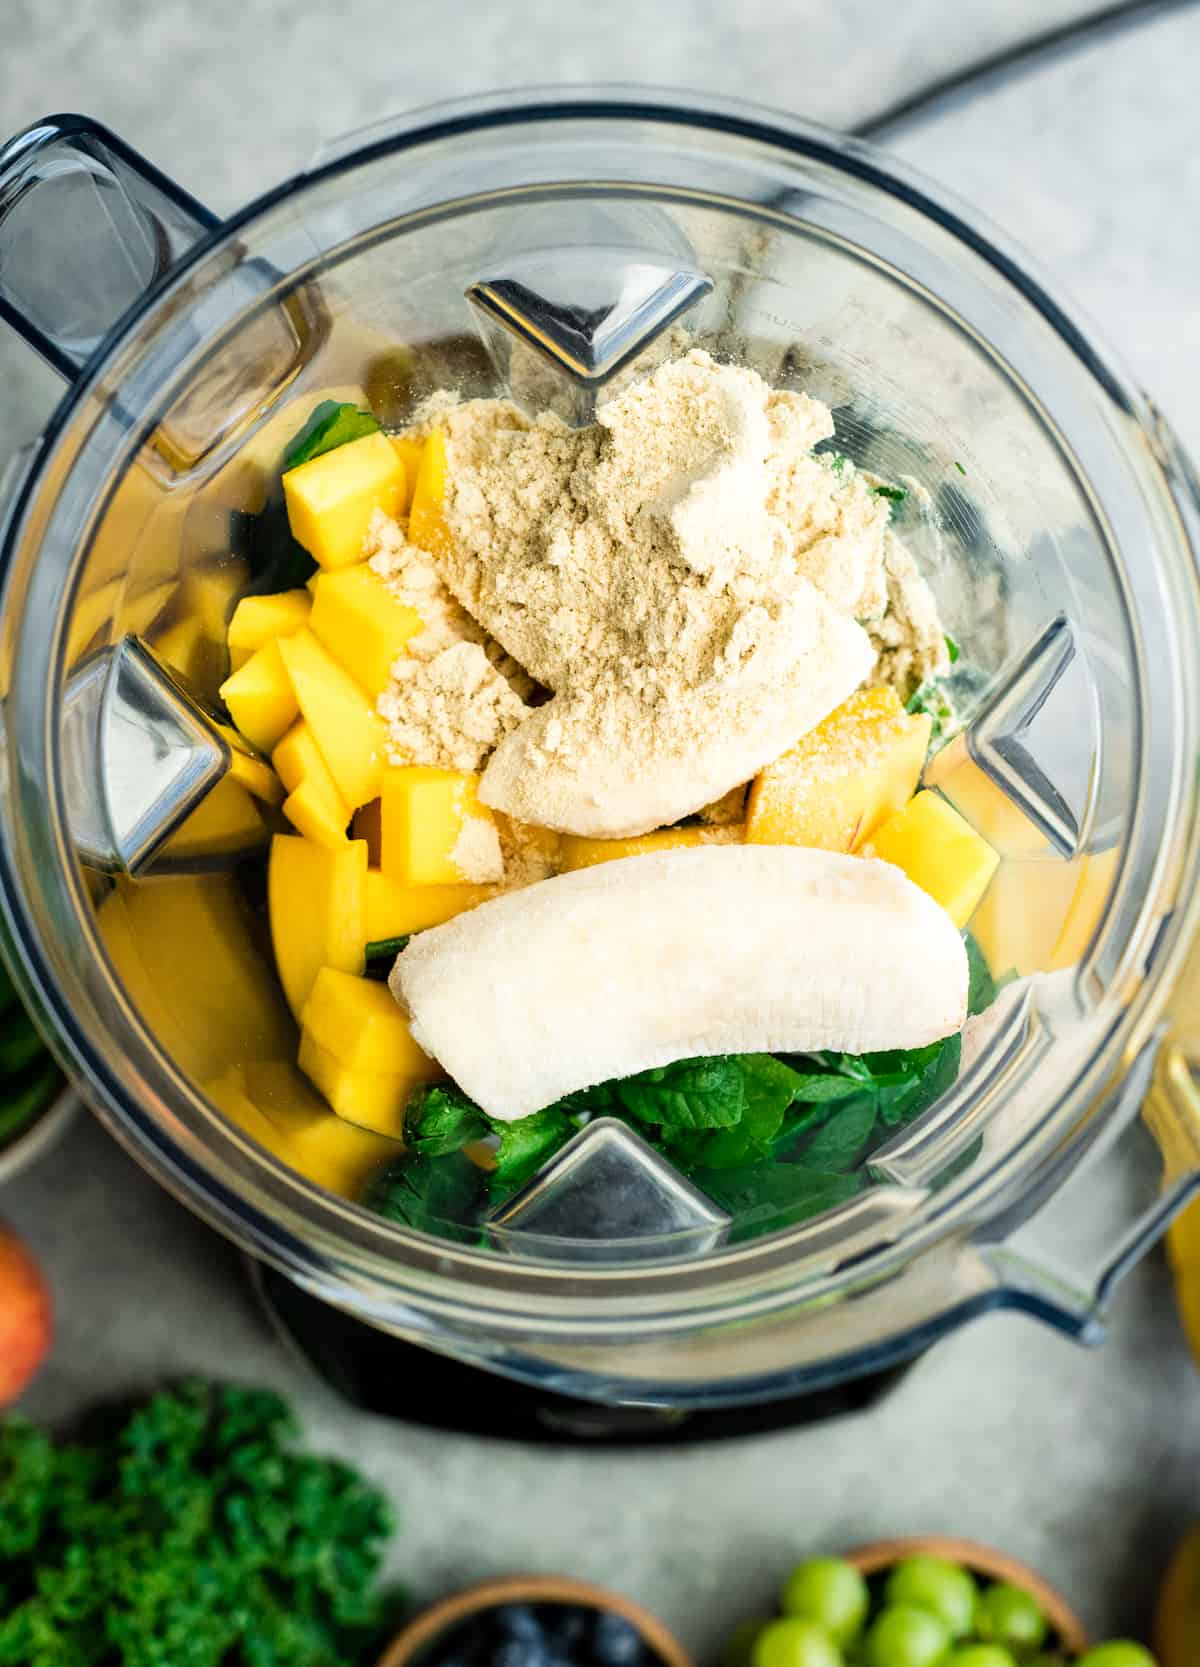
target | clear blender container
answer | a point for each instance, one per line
(543, 248)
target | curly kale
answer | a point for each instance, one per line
(193, 1537)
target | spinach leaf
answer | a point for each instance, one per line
(439, 1195)
(330, 425)
(982, 988)
(769, 1086)
(839, 1141)
(930, 699)
(952, 649)
(386, 949)
(525, 1146)
(769, 1196)
(895, 494)
(440, 1118)
(907, 1081)
(691, 1094)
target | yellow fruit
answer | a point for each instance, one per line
(274, 1104)
(427, 527)
(260, 698)
(362, 625)
(1183, 1242)
(344, 723)
(939, 852)
(369, 1102)
(316, 902)
(576, 851)
(224, 823)
(298, 758)
(258, 620)
(409, 449)
(209, 591)
(246, 482)
(843, 779)
(315, 815)
(358, 1022)
(425, 814)
(249, 770)
(1177, 1617)
(186, 950)
(331, 499)
(395, 910)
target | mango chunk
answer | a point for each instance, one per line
(249, 770)
(274, 1104)
(580, 852)
(258, 620)
(939, 852)
(316, 903)
(362, 625)
(224, 823)
(315, 816)
(358, 1022)
(363, 1099)
(427, 527)
(344, 723)
(435, 832)
(395, 910)
(298, 758)
(260, 698)
(843, 779)
(331, 499)
(409, 449)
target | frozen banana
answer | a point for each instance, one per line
(613, 969)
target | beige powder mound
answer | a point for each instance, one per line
(909, 638)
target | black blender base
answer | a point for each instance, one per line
(383, 1375)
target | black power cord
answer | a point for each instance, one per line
(996, 70)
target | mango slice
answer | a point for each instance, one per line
(258, 620)
(298, 758)
(579, 852)
(359, 1022)
(409, 449)
(843, 779)
(274, 1104)
(316, 903)
(362, 625)
(344, 723)
(435, 832)
(331, 499)
(316, 816)
(260, 698)
(395, 910)
(362, 1098)
(427, 527)
(939, 851)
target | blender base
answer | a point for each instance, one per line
(395, 1379)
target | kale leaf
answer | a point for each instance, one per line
(525, 1145)
(440, 1118)
(331, 425)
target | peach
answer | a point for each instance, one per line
(26, 1317)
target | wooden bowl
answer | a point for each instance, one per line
(420, 1633)
(987, 1564)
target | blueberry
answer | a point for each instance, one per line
(519, 1652)
(516, 1620)
(616, 1642)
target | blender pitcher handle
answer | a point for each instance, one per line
(87, 226)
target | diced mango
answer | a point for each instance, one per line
(225, 822)
(358, 1021)
(843, 779)
(939, 851)
(427, 527)
(316, 899)
(261, 699)
(409, 448)
(316, 816)
(344, 723)
(298, 758)
(394, 910)
(435, 832)
(367, 825)
(249, 770)
(331, 499)
(258, 620)
(368, 1101)
(362, 625)
(320, 1145)
(187, 951)
(577, 851)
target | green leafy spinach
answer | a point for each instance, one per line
(331, 425)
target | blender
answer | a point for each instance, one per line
(544, 247)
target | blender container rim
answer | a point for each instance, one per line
(622, 1297)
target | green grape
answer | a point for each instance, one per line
(981, 1655)
(1008, 1615)
(795, 1641)
(944, 1588)
(905, 1636)
(830, 1592)
(1117, 1654)
(739, 1651)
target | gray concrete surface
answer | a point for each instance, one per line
(1084, 1463)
